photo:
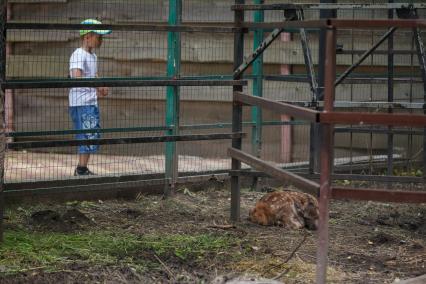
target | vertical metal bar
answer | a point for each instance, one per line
(326, 155)
(422, 62)
(256, 112)
(3, 19)
(9, 94)
(390, 96)
(237, 115)
(315, 128)
(172, 96)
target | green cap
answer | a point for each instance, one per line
(93, 22)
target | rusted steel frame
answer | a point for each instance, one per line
(282, 108)
(275, 172)
(371, 24)
(252, 57)
(381, 195)
(285, 24)
(325, 6)
(362, 118)
(124, 27)
(326, 157)
(122, 140)
(364, 56)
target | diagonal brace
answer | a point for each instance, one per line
(364, 56)
(262, 47)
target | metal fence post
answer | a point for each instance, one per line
(3, 19)
(315, 131)
(390, 97)
(237, 115)
(172, 96)
(256, 112)
(326, 155)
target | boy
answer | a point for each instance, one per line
(83, 102)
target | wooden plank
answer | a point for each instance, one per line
(36, 66)
(202, 47)
(15, 36)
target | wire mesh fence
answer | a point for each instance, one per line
(43, 114)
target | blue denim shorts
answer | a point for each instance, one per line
(86, 117)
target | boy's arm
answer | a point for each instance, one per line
(76, 73)
(102, 91)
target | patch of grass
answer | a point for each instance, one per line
(23, 250)
(190, 246)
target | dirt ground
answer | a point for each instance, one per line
(188, 239)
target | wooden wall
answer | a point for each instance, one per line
(43, 54)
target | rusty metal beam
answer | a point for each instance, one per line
(371, 24)
(275, 172)
(362, 118)
(327, 6)
(283, 108)
(381, 195)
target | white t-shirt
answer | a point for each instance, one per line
(87, 62)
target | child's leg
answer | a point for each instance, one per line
(83, 160)
(85, 117)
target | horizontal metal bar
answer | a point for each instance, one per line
(350, 177)
(379, 105)
(72, 83)
(348, 24)
(124, 140)
(348, 80)
(283, 108)
(362, 118)
(87, 189)
(380, 195)
(72, 131)
(97, 179)
(79, 181)
(114, 187)
(360, 23)
(123, 27)
(351, 104)
(325, 6)
(147, 128)
(375, 130)
(377, 52)
(286, 24)
(275, 172)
